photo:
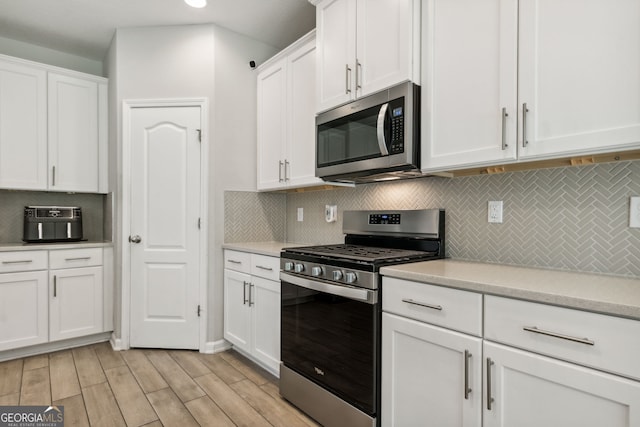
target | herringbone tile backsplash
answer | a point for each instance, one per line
(573, 218)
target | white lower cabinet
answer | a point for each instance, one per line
(23, 309)
(529, 390)
(430, 375)
(252, 306)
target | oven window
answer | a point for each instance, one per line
(349, 139)
(332, 341)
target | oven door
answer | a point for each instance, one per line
(330, 335)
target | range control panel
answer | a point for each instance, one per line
(383, 218)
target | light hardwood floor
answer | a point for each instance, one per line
(102, 387)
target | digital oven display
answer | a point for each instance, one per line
(384, 218)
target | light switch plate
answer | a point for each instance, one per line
(300, 214)
(495, 212)
(634, 212)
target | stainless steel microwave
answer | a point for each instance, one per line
(377, 136)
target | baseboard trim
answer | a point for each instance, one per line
(116, 343)
(53, 346)
(216, 346)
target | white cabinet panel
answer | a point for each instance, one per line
(23, 127)
(237, 313)
(265, 302)
(23, 309)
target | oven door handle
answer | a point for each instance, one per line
(357, 294)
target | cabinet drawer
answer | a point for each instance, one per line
(238, 261)
(604, 342)
(265, 266)
(23, 261)
(73, 258)
(450, 308)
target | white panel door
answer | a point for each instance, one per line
(73, 134)
(336, 43)
(528, 390)
(301, 153)
(165, 209)
(265, 304)
(469, 83)
(24, 309)
(76, 303)
(423, 375)
(579, 76)
(23, 127)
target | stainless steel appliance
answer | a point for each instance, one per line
(52, 224)
(372, 138)
(331, 312)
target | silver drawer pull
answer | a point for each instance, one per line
(423, 304)
(233, 261)
(535, 330)
(83, 258)
(22, 261)
(264, 268)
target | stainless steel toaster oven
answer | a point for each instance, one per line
(52, 224)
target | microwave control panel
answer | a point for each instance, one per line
(397, 126)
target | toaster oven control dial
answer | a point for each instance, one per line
(337, 275)
(299, 268)
(350, 277)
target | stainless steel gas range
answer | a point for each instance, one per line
(331, 312)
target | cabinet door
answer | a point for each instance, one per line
(271, 111)
(528, 390)
(73, 134)
(301, 147)
(76, 302)
(336, 42)
(265, 304)
(23, 127)
(424, 369)
(469, 58)
(387, 42)
(237, 313)
(579, 62)
(23, 309)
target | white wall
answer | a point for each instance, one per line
(49, 56)
(193, 61)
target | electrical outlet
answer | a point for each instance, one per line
(634, 212)
(300, 214)
(495, 212)
(331, 213)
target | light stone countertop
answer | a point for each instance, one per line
(261, 248)
(613, 295)
(20, 246)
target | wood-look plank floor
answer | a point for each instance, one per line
(102, 387)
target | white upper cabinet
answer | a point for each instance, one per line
(53, 128)
(579, 76)
(365, 46)
(286, 118)
(23, 126)
(507, 81)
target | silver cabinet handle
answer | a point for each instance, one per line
(535, 330)
(264, 268)
(467, 389)
(358, 75)
(135, 239)
(53, 176)
(84, 258)
(280, 171)
(347, 78)
(233, 261)
(22, 261)
(525, 110)
(250, 299)
(244, 292)
(423, 304)
(504, 128)
(55, 286)
(287, 165)
(489, 398)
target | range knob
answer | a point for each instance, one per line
(337, 275)
(288, 266)
(350, 277)
(316, 271)
(299, 268)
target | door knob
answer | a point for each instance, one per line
(135, 239)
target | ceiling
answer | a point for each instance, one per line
(86, 27)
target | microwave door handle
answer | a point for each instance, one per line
(382, 143)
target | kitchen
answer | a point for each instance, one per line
(569, 218)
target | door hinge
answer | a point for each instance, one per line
(199, 310)
(199, 134)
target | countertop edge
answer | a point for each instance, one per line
(19, 246)
(261, 248)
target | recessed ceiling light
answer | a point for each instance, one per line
(196, 3)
